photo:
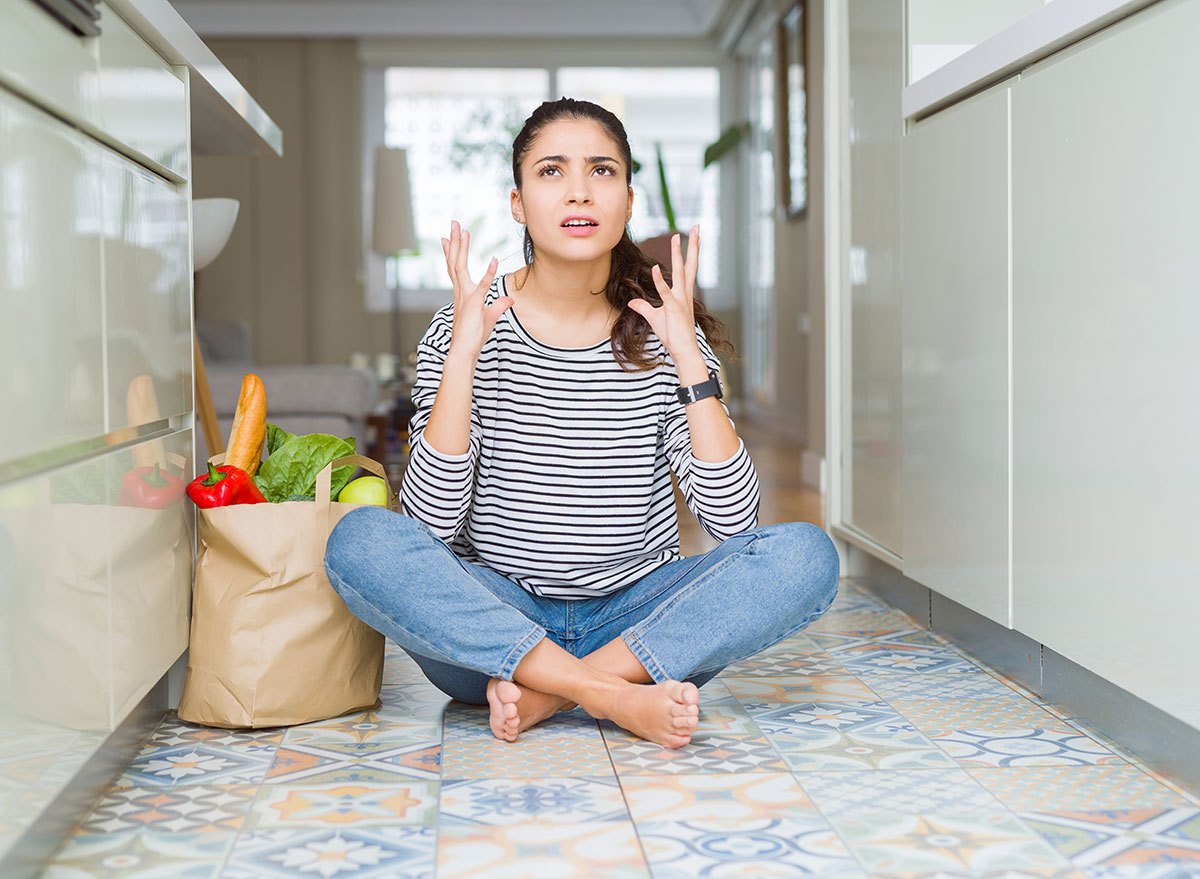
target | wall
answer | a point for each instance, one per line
(798, 356)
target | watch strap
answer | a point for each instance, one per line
(692, 393)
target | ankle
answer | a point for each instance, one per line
(598, 692)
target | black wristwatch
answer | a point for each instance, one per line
(692, 393)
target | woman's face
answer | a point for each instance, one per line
(573, 168)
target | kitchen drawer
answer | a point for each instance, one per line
(147, 292)
(143, 101)
(114, 86)
(97, 593)
(51, 65)
(52, 361)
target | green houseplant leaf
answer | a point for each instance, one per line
(714, 152)
(729, 139)
(666, 193)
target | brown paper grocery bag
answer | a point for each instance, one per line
(272, 643)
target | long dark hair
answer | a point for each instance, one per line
(629, 276)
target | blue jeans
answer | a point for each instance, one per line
(464, 623)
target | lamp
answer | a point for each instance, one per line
(212, 223)
(392, 227)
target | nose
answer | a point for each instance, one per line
(579, 191)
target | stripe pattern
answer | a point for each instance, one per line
(566, 485)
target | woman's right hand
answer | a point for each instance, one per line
(473, 323)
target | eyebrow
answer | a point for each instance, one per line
(589, 159)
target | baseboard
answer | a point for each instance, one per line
(1163, 743)
(27, 856)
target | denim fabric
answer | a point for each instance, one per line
(464, 623)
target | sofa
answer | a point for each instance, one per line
(305, 398)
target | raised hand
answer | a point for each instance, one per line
(674, 322)
(473, 322)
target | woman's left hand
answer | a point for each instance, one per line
(674, 322)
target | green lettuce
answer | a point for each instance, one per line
(293, 461)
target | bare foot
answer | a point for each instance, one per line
(515, 708)
(666, 714)
(502, 698)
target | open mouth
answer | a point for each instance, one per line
(578, 229)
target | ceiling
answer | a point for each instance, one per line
(703, 19)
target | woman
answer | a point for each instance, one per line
(536, 566)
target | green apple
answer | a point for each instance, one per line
(365, 490)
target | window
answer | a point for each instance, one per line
(676, 107)
(457, 128)
(457, 125)
(759, 305)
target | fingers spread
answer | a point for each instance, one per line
(462, 253)
(452, 255)
(664, 290)
(486, 280)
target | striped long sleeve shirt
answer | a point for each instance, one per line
(566, 485)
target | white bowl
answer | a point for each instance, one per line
(212, 223)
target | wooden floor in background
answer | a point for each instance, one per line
(784, 497)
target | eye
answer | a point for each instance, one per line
(609, 168)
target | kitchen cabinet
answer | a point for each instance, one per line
(1106, 367)
(96, 139)
(955, 353)
(1051, 402)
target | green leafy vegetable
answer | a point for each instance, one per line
(294, 460)
(276, 437)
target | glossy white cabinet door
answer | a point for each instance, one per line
(871, 431)
(42, 57)
(955, 332)
(51, 361)
(146, 291)
(1106, 356)
(142, 100)
(94, 594)
(114, 85)
(150, 576)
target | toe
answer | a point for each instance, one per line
(685, 693)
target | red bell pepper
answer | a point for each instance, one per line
(149, 487)
(224, 486)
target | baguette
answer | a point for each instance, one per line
(249, 426)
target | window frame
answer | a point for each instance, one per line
(379, 55)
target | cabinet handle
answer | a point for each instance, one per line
(81, 16)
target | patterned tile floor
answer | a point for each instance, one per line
(862, 747)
